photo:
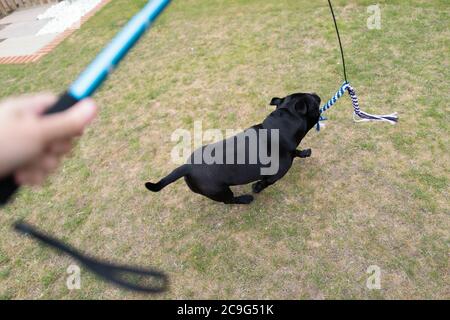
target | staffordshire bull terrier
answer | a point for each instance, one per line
(238, 160)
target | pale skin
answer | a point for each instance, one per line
(32, 145)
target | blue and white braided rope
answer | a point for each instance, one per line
(362, 116)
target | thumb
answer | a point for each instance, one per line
(69, 123)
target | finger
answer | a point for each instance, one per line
(69, 123)
(60, 147)
(37, 178)
(43, 102)
(48, 163)
(20, 177)
(36, 104)
(30, 177)
(24, 174)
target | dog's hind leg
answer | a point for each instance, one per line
(226, 196)
(303, 153)
(244, 199)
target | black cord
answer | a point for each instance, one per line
(339, 38)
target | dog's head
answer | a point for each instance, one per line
(305, 106)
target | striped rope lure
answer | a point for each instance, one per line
(358, 115)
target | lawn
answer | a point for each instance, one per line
(371, 194)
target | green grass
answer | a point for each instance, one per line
(371, 194)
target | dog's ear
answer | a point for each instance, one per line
(276, 102)
(301, 106)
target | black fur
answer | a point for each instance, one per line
(294, 116)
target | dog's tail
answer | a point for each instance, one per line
(172, 177)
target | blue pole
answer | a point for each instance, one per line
(96, 73)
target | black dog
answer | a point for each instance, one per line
(294, 116)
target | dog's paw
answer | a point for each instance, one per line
(257, 187)
(153, 186)
(245, 199)
(305, 153)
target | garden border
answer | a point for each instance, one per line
(55, 42)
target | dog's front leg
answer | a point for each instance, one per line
(259, 186)
(303, 153)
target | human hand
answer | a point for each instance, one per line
(32, 145)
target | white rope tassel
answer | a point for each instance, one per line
(361, 116)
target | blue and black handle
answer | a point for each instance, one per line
(97, 72)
